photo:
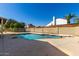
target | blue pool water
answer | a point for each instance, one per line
(36, 36)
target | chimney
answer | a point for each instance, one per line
(54, 20)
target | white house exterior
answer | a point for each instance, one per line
(58, 21)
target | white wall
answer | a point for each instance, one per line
(59, 21)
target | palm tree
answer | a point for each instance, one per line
(76, 20)
(68, 17)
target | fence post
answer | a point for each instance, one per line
(58, 30)
(34, 29)
(42, 29)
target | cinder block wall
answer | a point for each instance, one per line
(77, 31)
(56, 30)
(67, 30)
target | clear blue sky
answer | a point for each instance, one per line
(37, 14)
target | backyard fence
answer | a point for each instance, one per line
(56, 30)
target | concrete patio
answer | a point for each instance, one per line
(69, 45)
(20, 47)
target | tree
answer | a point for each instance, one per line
(12, 21)
(4, 20)
(22, 25)
(77, 20)
(16, 25)
(31, 25)
(9, 23)
(68, 17)
(12, 25)
(19, 25)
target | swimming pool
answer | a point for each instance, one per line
(37, 36)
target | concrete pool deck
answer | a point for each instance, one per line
(20, 47)
(69, 45)
(13, 32)
(51, 47)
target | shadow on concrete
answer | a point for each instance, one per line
(20, 47)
